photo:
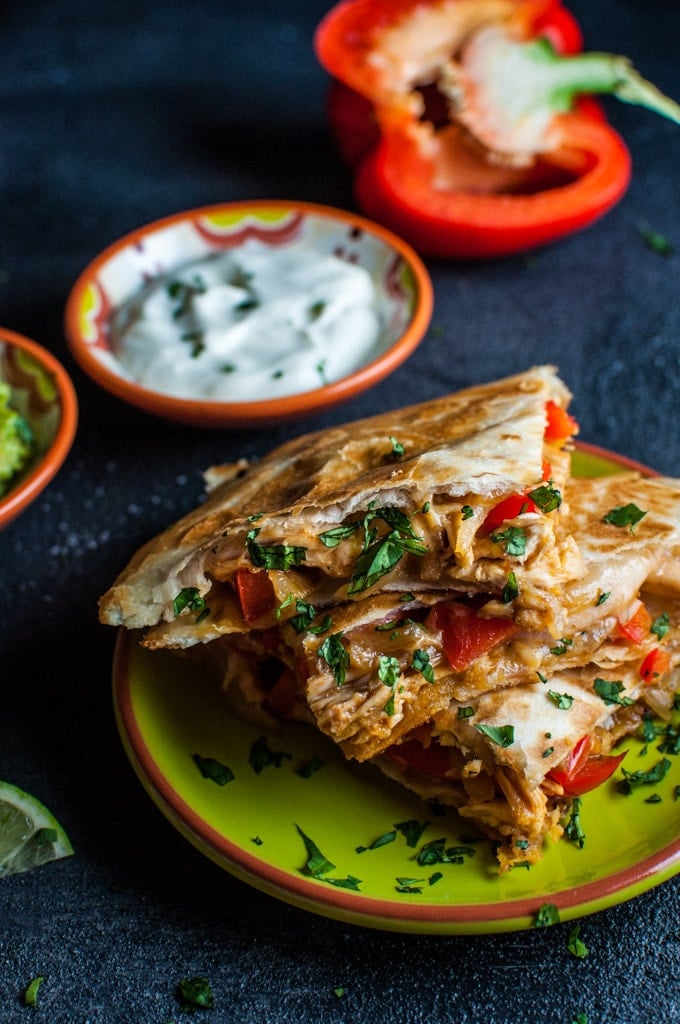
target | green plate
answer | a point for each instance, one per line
(255, 825)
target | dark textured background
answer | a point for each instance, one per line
(112, 115)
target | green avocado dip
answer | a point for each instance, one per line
(16, 440)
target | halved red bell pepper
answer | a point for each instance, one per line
(465, 634)
(482, 179)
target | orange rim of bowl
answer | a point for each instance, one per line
(217, 413)
(17, 498)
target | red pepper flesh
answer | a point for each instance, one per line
(465, 634)
(420, 176)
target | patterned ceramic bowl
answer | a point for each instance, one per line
(402, 288)
(42, 393)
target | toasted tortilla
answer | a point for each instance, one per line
(432, 462)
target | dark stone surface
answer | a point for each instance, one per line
(114, 114)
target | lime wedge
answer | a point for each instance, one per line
(29, 834)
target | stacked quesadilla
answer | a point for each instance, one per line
(432, 590)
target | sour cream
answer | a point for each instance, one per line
(254, 322)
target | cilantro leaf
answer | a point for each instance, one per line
(576, 945)
(514, 538)
(261, 756)
(643, 778)
(609, 690)
(573, 829)
(421, 663)
(546, 915)
(561, 700)
(624, 515)
(316, 864)
(273, 556)
(190, 598)
(412, 831)
(195, 993)
(214, 770)
(503, 735)
(661, 625)
(336, 656)
(547, 498)
(510, 590)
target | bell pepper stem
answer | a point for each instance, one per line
(565, 78)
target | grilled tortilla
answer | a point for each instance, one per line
(398, 500)
(433, 591)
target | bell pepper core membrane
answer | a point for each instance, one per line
(479, 136)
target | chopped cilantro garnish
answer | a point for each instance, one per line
(380, 557)
(383, 840)
(610, 692)
(543, 679)
(575, 943)
(409, 885)
(602, 598)
(546, 497)
(336, 656)
(190, 598)
(661, 625)
(310, 767)
(655, 241)
(514, 538)
(434, 877)
(510, 590)
(261, 756)
(653, 799)
(625, 515)
(466, 712)
(562, 646)
(643, 778)
(573, 829)
(437, 852)
(389, 673)
(316, 864)
(351, 882)
(214, 770)
(412, 831)
(421, 663)
(547, 914)
(195, 993)
(561, 700)
(397, 450)
(316, 309)
(503, 735)
(331, 538)
(273, 556)
(302, 621)
(467, 512)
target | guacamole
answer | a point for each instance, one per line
(16, 440)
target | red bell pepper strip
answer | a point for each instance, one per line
(255, 593)
(434, 760)
(561, 425)
(494, 69)
(656, 663)
(509, 508)
(582, 772)
(466, 635)
(636, 628)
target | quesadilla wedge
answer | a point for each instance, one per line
(423, 497)
(481, 628)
